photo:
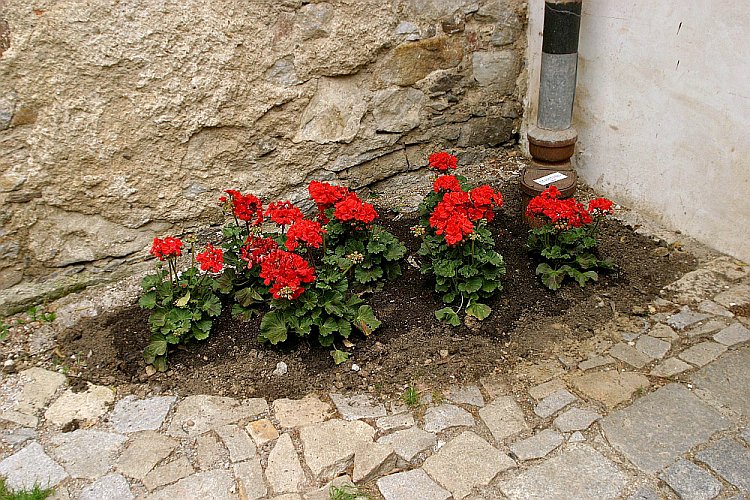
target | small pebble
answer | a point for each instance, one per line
(355, 367)
(8, 363)
(281, 368)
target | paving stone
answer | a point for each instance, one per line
(726, 380)
(576, 437)
(465, 462)
(595, 362)
(445, 416)
(541, 391)
(109, 487)
(357, 407)
(652, 347)
(696, 286)
(661, 426)
(22, 419)
(576, 419)
(329, 446)
(198, 414)
(731, 335)
(703, 353)
(537, 446)
(209, 485)
(288, 496)
(168, 473)
(262, 431)
(85, 453)
(239, 444)
(645, 493)
(503, 417)
(729, 267)
(466, 395)
(669, 368)
(662, 331)
(324, 493)
(143, 453)
(30, 467)
(298, 412)
(210, 453)
(738, 295)
(393, 422)
(284, 472)
(708, 328)
(580, 472)
(86, 405)
(39, 385)
(412, 485)
(610, 387)
(494, 385)
(132, 415)
(249, 475)
(554, 403)
(18, 436)
(690, 481)
(731, 461)
(409, 442)
(746, 434)
(630, 355)
(372, 460)
(714, 309)
(685, 318)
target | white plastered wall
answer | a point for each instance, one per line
(663, 111)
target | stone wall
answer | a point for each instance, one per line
(121, 120)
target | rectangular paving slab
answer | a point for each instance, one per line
(690, 481)
(658, 428)
(731, 461)
(726, 380)
(580, 473)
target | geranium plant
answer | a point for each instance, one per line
(182, 304)
(458, 249)
(566, 237)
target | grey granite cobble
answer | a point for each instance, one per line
(690, 481)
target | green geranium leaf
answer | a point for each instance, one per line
(445, 268)
(339, 356)
(479, 311)
(151, 281)
(375, 246)
(367, 275)
(160, 363)
(471, 285)
(395, 251)
(345, 328)
(329, 326)
(366, 320)
(157, 346)
(326, 341)
(212, 306)
(247, 296)
(273, 328)
(448, 315)
(243, 313)
(148, 300)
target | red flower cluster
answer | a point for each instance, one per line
(286, 272)
(326, 195)
(446, 183)
(283, 213)
(443, 161)
(212, 259)
(166, 248)
(306, 231)
(256, 249)
(455, 214)
(245, 207)
(353, 209)
(563, 213)
(600, 206)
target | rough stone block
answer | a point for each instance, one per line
(39, 385)
(284, 471)
(329, 446)
(86, 453)
(412, 485)
(249, 475)
(690, 481)
(132, 415)
(111, 487)
(357, 407)
(465, 462)
(30, 467)
(87, 405)
(466, 395)
(262, 431)
(394, 422)
(168, 473)
(738, 295)
(652, 347)
(213, 484)
(554, 403)
(239, 444)
(732, 335)
(661, 426)
(610, 387)
(372, 460)
(503, 417)
(576, 419)
(726, 380)
(685, 318)
(409, 442)
(669, 368)
(143, 453)
(445, 416)
(298, 412)
(541, 391)
(630, 355)
(703, 353)
(197, 414)
(731, 461)
(537, 446)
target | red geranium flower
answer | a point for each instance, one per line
(286, 272)
(485, 200)
(565, 213)
(353, 209)
(256, 249)
(451, 217)
(600, 206)
(246, 207)
(306, 231)
(326, 195)
(166, 248)
(443, 161)
(283, 213)
(446, 183)
(212, 259)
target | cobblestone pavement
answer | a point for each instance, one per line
(659, 408)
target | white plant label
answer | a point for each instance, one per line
(549, 179)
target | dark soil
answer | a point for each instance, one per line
(528, 320)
